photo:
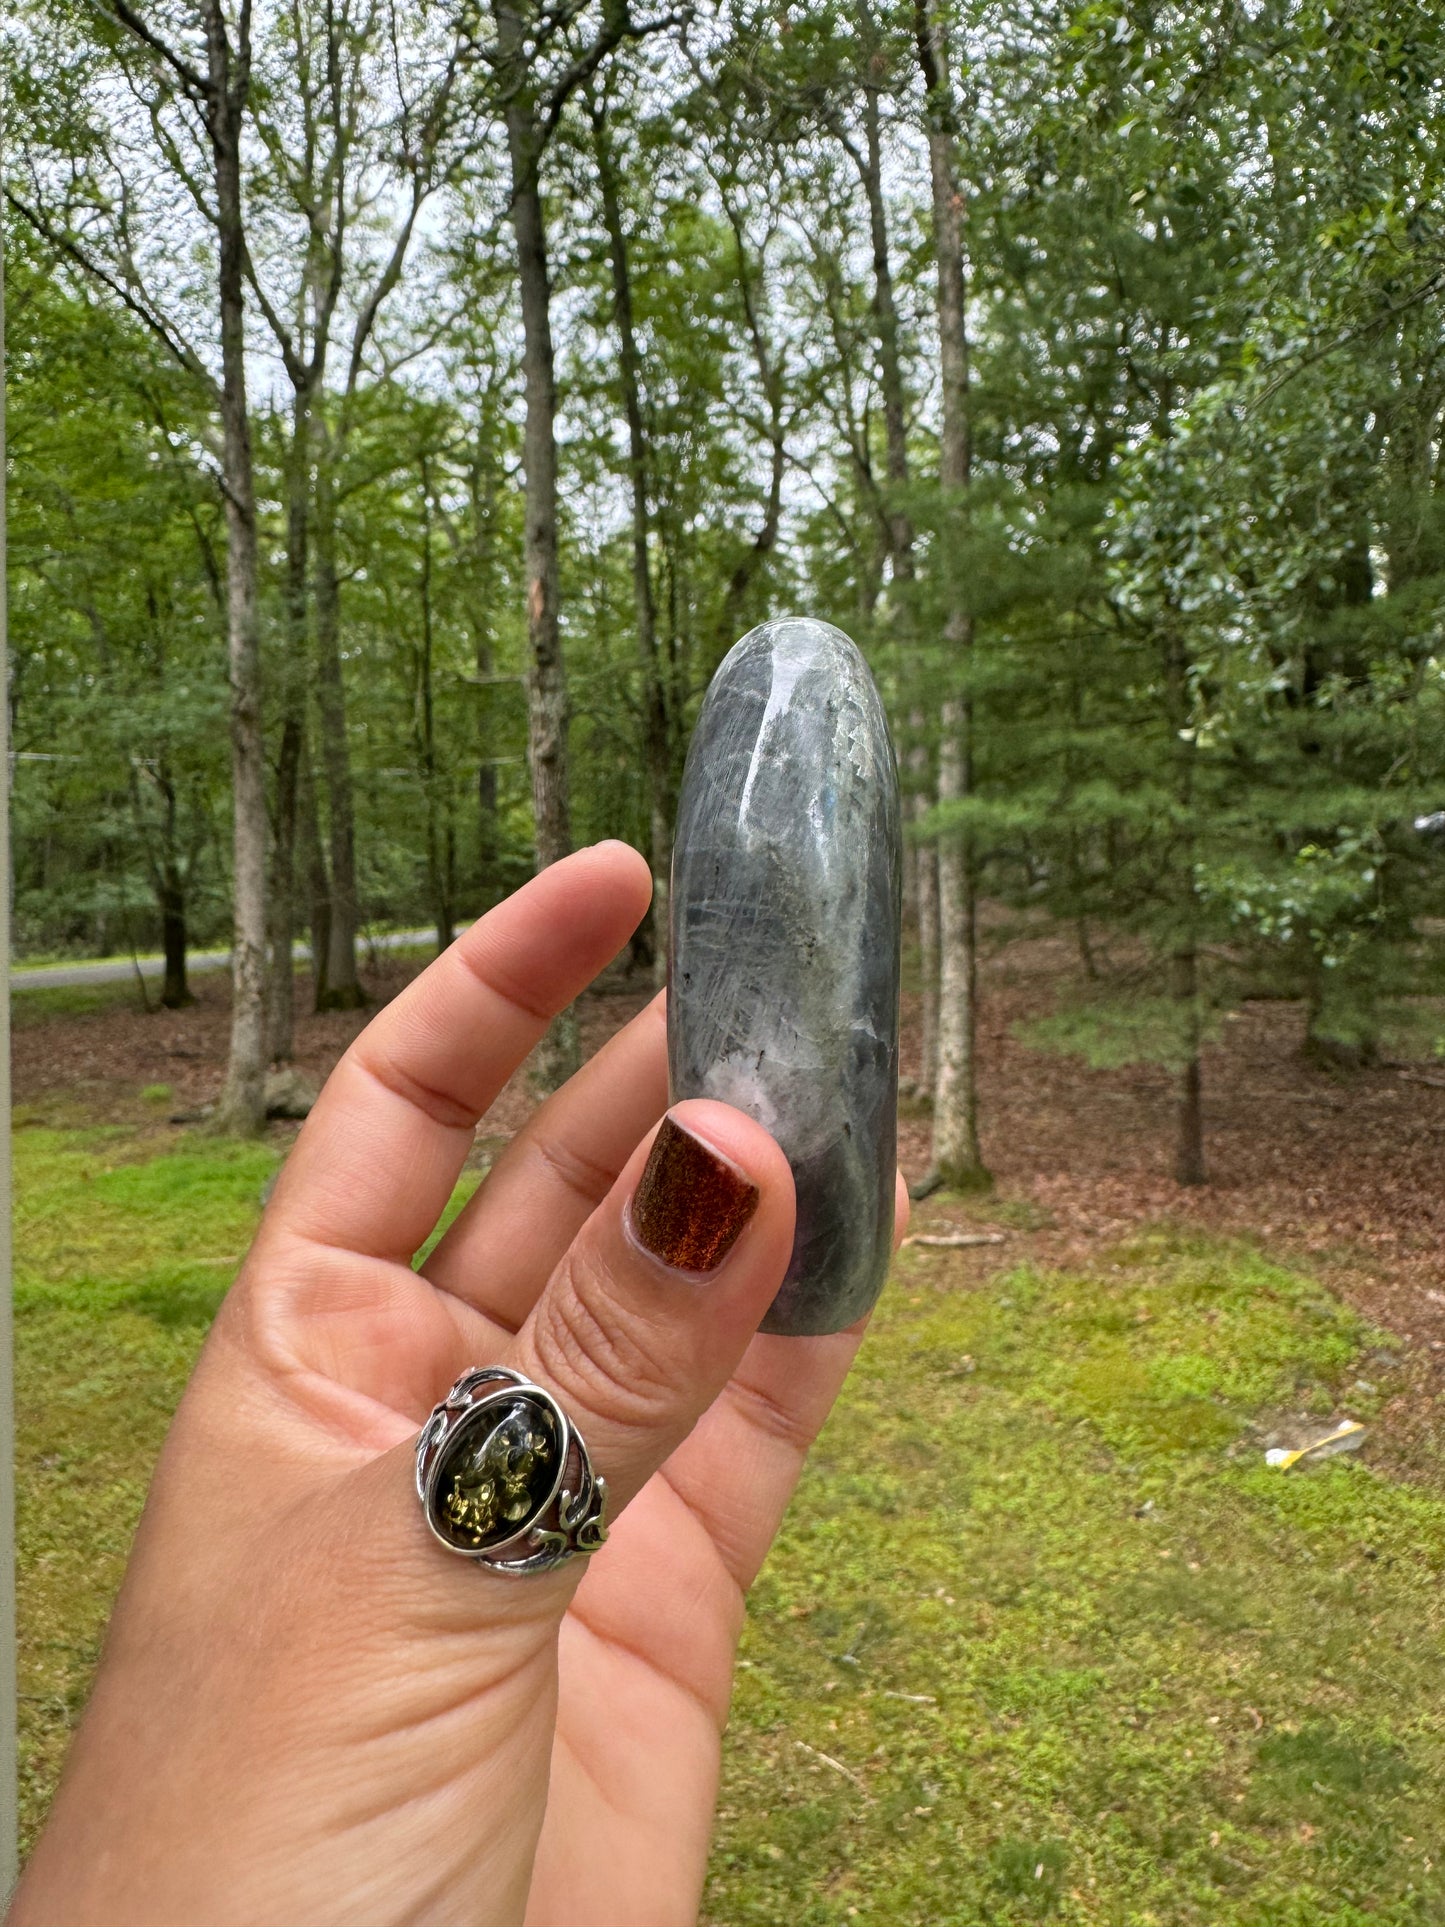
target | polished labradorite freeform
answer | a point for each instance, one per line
(496, 1474)
(784, 969)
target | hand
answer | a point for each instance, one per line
(307, 1710)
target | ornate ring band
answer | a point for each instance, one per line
(504, 1477)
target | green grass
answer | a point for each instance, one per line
(1072, 1652)
(120, 1262)
(122, 1254)
(1043, 1638)
(31, 1007)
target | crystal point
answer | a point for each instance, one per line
(784, 968)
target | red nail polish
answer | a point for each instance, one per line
(691, 1204)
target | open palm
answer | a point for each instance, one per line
(307, 1710)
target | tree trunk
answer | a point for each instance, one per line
(176, 991)
(956, 1154)
(1184, 962)
(890, 366)
(483, 483)
(1189, 1146)
(1087, 960)
(1324, 1048)
(926, 886)
(168, 879)
(656, 722)
(293, 731)
(242, 1106)
(489, 842)
(318, 883)
(438, 836)
(282, 1025)
(900, 536)
(547, 708)
(342, 990)
(770, 378)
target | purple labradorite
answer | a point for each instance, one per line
(784, 965)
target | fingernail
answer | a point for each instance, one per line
(690, 1204)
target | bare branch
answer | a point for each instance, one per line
(125, 16)
(1433, 284)
(175, 345)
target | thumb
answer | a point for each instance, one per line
(649, 1313)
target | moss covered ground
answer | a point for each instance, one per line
(1043, 1637)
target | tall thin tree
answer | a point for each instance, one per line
(956, 1154)
(196, 97)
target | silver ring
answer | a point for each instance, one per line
(504, 1477)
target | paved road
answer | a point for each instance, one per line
(71, 976)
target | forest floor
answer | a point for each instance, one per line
(1341, 1172)
(1043, 1636)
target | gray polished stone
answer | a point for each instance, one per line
(784, 966)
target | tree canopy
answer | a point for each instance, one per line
(1086, 362)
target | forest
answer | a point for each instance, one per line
(406, 414)
(407, 408)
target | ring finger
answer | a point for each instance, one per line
(555, 1172)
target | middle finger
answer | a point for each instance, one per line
(512, 1234)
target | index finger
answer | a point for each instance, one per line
(377, 1159)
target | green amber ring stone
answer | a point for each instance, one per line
(504, 1477)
